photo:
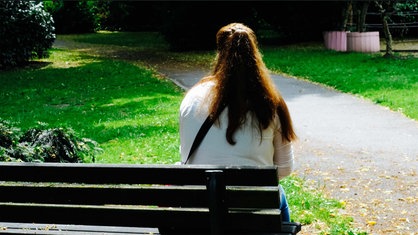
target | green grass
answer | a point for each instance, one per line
(391, 82)
(139, 40)
(128, 110)
(133, 114)
(309, 206)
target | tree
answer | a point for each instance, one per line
(361, 9)
(385, 7)
(26, 32)
(354, 14)
(78, 16)
(389, 8)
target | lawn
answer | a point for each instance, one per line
(391, 82)
(127, 109)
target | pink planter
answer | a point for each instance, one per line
(363, 42)
(336, 40)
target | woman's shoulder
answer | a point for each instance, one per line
(198, 93)
(201, 87)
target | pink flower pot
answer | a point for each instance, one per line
(363, 42)
(336, 40)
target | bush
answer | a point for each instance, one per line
(44, 145)
(76, 16)
(8, 134)
(26, 32)
(128, 15)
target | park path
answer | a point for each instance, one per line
(355, 151)
(349, 148)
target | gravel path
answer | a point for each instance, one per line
(363, 154)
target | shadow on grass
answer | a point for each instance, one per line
(99, 99)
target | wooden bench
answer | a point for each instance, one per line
(71, 198)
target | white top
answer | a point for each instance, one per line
(250, 147)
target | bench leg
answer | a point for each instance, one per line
(216, 189)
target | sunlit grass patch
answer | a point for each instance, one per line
(120, 105)
(144, 40)
(66, 59)
(310, 206)
(391, 82)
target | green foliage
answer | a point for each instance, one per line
(186, 26)
(52, 6)
(26, 32)
(8, 134)
(405, 13)
(75, 16)
(129, 15)
(42, 144)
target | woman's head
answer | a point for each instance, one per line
(242, 81)
(239, 70)
(237, 50)
(226, 35)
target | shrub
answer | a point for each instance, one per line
(44, 145)
(76, 16)
(8, 134)
(26, 32)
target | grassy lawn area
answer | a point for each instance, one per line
(133, 113)
(125, 108)
(391, 82)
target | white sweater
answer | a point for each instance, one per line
(250, 147)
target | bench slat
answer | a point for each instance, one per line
(191, 196)
(65, 229)
(134, 173)
(181, 218)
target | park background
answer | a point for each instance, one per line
(112, 107)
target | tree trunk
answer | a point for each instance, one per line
(345, 15)
(388, 36)
(361, 27)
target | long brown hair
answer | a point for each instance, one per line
(243, 84)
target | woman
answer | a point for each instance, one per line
(252, 124)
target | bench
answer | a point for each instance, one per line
(84, 198)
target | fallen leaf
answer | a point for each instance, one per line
(371, 222)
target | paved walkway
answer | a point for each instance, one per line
(359, 152)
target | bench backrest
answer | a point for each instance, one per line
(172, 197)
